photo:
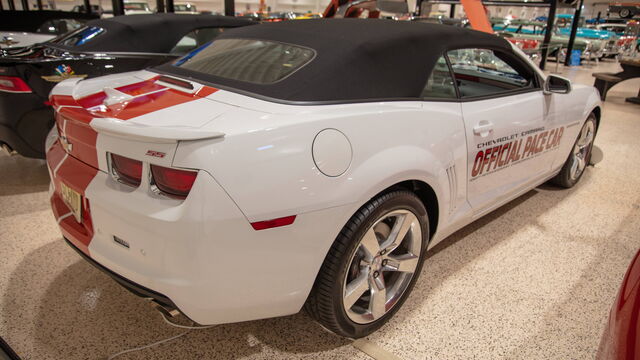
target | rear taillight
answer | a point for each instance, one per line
(173, 182)
(126, 170)
(13, 84)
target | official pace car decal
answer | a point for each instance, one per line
(497, 154)
(63, 72)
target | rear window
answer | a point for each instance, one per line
(79, 37)
(253, 61)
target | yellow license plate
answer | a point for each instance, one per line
(73, 199)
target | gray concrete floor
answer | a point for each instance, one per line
(533, 280)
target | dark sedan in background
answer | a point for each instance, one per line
(23, 28)
(101, 47)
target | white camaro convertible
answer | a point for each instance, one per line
(308, 163)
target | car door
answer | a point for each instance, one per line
(443, 120)
(510, 131)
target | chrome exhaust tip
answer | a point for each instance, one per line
(163, 309)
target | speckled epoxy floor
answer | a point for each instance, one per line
(533, 280)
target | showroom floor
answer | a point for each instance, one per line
(533, 280)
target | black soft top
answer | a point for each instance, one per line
(30, 21)
(149, 33)
(356, 59)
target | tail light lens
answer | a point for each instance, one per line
(13, 84)
(174, 182)
(127, 170)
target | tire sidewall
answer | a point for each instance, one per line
(401, 200)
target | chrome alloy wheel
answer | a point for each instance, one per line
(581, 150)
(381, 268)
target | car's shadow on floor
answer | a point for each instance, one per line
(22, 175)
(78, 312)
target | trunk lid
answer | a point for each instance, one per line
(140, 107)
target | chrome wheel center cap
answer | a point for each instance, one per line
(376, 264)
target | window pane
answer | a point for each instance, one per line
(254, 61)
(59, 26)
(195, 39)
(479, 72)
(79, 37)
(440, 83)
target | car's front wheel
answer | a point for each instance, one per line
(372, 265)
(625, 13)
(579, 157)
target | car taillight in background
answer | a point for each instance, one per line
(127, 170)
(173, 182)
(13, 84)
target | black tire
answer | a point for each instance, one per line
(325, 302)
(565, 178)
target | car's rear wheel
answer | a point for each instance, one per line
(372, 266)
(579, 157)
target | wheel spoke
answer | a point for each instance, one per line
(581, 163)
(378, 302)
(574, 167)
(400, 229)
(370, 243)
(583, 137)
(355, 289)
(404, 263)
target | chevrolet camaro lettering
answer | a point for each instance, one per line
(496, 157)
(305, 164)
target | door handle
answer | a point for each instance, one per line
(484, 128)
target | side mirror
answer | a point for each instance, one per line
(557, 85)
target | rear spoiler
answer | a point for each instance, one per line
(155, 134)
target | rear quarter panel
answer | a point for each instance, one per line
(266, 165)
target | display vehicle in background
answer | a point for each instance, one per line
(23, 28)
(621, 337)
(136, 7)
(185, 8)
(610, 40)
(232, 189)
(624, 9)
(101, 47)
(443, 20)
(96, 9)
(628, 34)
(531, 47)
(533, 30)
(308, 15)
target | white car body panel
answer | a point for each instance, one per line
(256, 163)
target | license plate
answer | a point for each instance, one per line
(73, 199)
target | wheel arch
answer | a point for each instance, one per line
(426, 194)
(597, 111)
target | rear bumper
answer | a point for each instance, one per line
(200, 255)
(134, 288)
(24, 123)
